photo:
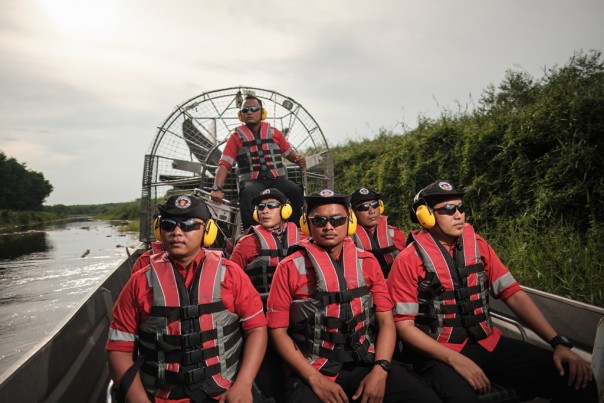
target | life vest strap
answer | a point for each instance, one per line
(173, 313)
(191, 357)
(339, 297)
(465, 321)
(465, 308)
(187, 340)
(460, 294)
(356, 353)
(382, 251)
(347, 326)
(273, 252)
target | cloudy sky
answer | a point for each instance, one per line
(84, 84)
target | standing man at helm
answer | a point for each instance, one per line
(373, 233)
(193, 316)
(440, 285)
(330, 315)
(266, 243)
(257, 148)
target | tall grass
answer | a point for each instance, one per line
(553, 258)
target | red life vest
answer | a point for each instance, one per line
(259, 154)
(454, 296)
(190, 342)
(272, 250)
(334, 324)
(383, 247)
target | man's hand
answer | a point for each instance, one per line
(300, 160)
(372, 387)
(326, 389)
(579, 370)
(237, 394)
(471, 372)
(216, 196)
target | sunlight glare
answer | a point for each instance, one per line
(78, 17)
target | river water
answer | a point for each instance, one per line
(45, 274)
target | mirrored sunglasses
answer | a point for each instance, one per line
(169, 225)
(365, 206)
(450, 209)
(335, 221)
(270, 205)
(250, 109)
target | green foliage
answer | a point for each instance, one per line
(530, 158)
(21, 188)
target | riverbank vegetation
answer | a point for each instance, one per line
(530, 157)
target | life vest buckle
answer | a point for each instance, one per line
(189, 312)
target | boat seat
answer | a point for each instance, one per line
(500, 394)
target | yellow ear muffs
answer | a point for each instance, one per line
(263, 117)
(210, 233)
(352, 223)
(381, 206)
(286, 211)
(425, 216)
(255, 215)
(304, 225)
(156, 228)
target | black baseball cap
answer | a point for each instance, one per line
(326, 196)
(362, 194)
(435, 192)
(185, 206)
(270, 193)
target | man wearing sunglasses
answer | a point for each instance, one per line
(440, 285)
(373, 233)
(257, 149)
(266, 243)
(330, 315)
(194, 318)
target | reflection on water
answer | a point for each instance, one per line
(14, 246)
(45, 274)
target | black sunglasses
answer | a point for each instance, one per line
(335, 221)
(250, 109)
(167, 224)
(366, 206)
(270, 205)
(450, 209)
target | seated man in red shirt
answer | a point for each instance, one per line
(186, 314)
(330, 315)
(266, 244)
(374, 234)
(258, 148)
(440, 285)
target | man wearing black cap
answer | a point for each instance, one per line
(185, 314)
(330, 315)
(440, 285)
(373, 233)
(266, 244)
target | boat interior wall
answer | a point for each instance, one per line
(70, 365)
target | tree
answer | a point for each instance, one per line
(21, 188)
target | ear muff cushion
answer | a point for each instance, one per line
(425, 216)
(381, 206)
(352, 223)
(255, 215)
(304, 225)
(210, 233)
(286, 211)
(240, 116)
(156, 228)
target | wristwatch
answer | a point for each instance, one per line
(215, 188)
(385, 364)
(559, 339)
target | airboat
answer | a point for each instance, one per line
(70, 364)
(187, 147)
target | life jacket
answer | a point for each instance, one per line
(272, 250)
(382, 248)
(259, 154)
(454, 296)
(335, 324)
(190, 342)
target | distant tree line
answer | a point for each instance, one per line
(21, 188)
(531, 158)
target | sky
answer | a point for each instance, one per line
(85, 84)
